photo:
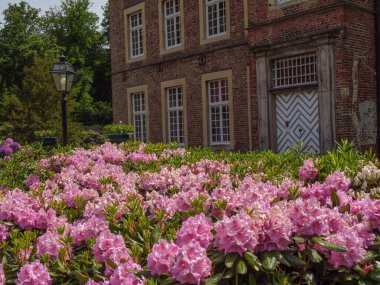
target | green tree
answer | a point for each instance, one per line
(78, 33)
(21, 42)
(34, 105)
(75, 28)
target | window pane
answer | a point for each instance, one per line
(172, 23)
(175, 115)
(139, 116)
(136, 34)
(296, 70)
(216, 17)
(219, 111)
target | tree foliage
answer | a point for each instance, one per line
(29, 42)
(21, 42)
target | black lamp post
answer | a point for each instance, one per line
(63, 75)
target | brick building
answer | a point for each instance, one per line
(245, 74)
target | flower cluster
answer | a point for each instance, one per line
(236, 234)
(8, 147)
(34, 273)
(196, 229)
(111, 246)
(85, 198)
(2, 276)
(162, 258)
(186, 260)
(308, 171)
(4, 232)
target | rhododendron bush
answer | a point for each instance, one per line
(155, 214)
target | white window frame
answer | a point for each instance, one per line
(139, 29)
(176, 109)
(283, 1)
(176, 17)
(220, 104)
(142, 113)
(209, 3)
(298, 70)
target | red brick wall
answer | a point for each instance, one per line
(354, 42)
(225, 54)
(354, 56)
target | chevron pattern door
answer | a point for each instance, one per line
(297, 116)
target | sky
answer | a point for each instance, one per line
(44, 5)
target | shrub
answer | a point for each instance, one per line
(156, 214)
(119, 128)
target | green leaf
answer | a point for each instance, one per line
(229, 274)
(252, 280)
(252, 260)
(214, 279)
(310, 279)
(230, 260)
(81, 278)
(241, 267)
(329, 245)
(300, 239)
(345, 209)
(314, 256)
(335, 199)
(270, 263)
(111, 263)
(219, 259)
(294, 260)
(374, 275)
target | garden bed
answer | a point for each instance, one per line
(155, 214)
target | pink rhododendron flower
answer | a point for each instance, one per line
(23, 210)
(197, 228)
(337, 181)
(236, 234)
(369, 208)
(108, 243)
(33, 181)
(308, 217)
(4, 232)
(275, 230)
(111, 246)
(167, 153)
(49, 243)
(123, 276)
(2, 276)
(308, 171)
(355, 249)
(192, 264)
(34, 273)
(92, 282)
(92, 227)
(162, 258)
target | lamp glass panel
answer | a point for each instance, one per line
(69, 81)
(57, 81)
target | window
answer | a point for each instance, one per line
(136, 35)
(174, 122)
(280, 4)
(172, 13)
(135, 38)
(171, 25)
(139, 116)
(219, 111)
(216, 17)
(175, 115)
(214, 20)
(295, 70)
